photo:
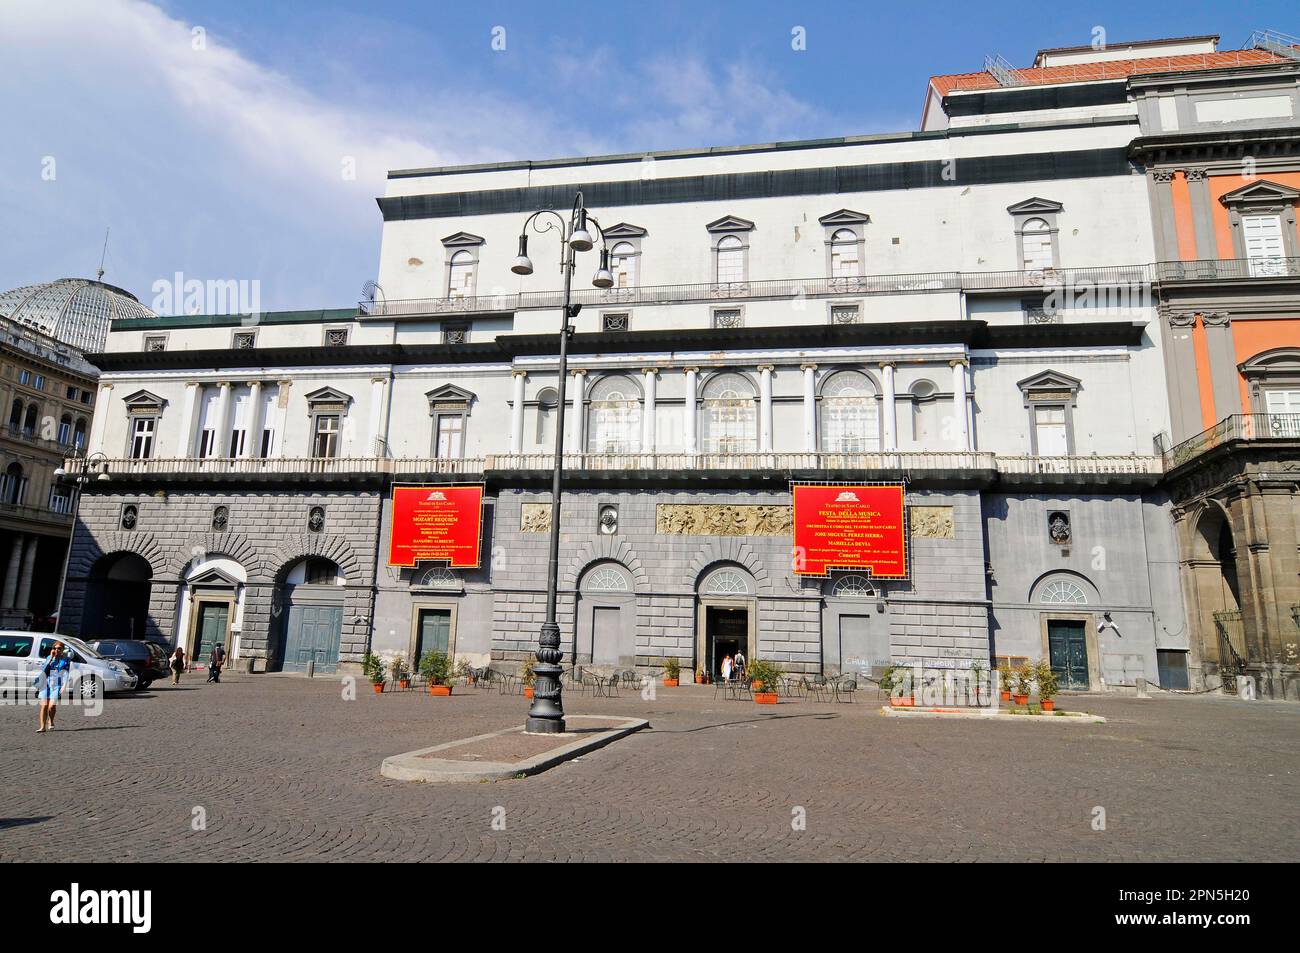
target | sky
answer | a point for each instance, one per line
(246, 140)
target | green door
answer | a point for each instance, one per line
(212, 625)
(1068, 650)
(313, 634)
(433, 633)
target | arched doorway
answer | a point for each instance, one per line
(605, 634)
(117, 597)
(310, 599)
(1213, 568)
(726, 616)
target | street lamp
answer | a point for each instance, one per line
(83, 472)
(546, 716)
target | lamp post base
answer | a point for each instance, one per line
(546, 716)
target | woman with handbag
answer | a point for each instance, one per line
(54, 672)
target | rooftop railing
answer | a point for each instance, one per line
(1235, 427)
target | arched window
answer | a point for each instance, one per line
(1063, 591)
(65, 429)
(614, 416)
(440, 577)
(460, 275)
(850, 418)
(853, 587)
(79, 434)
(13, 486)
(606, 577)
(29, 421)
(623, 265)
(725, 582)
(731, 259)
(1036, 236)
(16, 415)
(548, 398)
(729, 419)
(846, 262)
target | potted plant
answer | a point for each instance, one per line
(764, 677)
(897, 681)
(672, 672)
(1004, 679)
(527, 676)
(1048, 685)
(400, 671)
(437, 669)
(373, 668)
(1023, 676)
(977, 674)
(465, 671)
(699, 676)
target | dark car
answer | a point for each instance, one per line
(146, 660)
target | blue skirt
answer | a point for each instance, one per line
(52, 688)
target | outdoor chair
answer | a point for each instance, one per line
(844, 689)
(817, 686)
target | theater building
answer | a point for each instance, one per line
(968, 311)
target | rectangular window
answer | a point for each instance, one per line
(142, 432)
(455, 333)
(1283, 407)
(24, 377)
(87, 397)
(846, 314)
(207, 442)
(1049, 430)
(60, 500)
(1263, 237)
(614, 321)
(268, 441)
(39, 382)
(72, 393)
(451, 437)
(65, 431)
(237, 443)
(155, 342)
(728, 318)
(326, 437)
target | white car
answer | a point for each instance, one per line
(90, 675)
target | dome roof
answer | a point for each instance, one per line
(76, 311)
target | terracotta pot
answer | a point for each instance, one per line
(439, 689)
(670, 683)
(379, 687)
(699, 679)
(528, 692)
(1022, 699)
(758, 686)
(1049, 704)
(765, 698)
(905, 701)
(1006, 696)
(404, 682)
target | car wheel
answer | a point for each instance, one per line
(90, 687)
(143, 684)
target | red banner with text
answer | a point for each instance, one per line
(437, 523)
(858, 526)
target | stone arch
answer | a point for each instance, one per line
(1089, 588)
(727, 549)
(145, 545)
(1204, 529)
(234, 546)
(275, 565)
(605, 549)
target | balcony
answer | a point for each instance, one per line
(975, 467)
(1238, 427)
(985, 282)
(1227, 269)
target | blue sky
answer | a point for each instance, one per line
(218, 154)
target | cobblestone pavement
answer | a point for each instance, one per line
(285, 769)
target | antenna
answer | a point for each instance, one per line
(99, 275)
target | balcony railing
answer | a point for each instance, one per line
(1235, 427)
(951, 281)
(1228, 269)
(905, 461)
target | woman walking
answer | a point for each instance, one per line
(178, 665)
(54, 672)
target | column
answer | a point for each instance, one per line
(959, 408)
(189, 419)
(765, 408)
(650, 376)
(690, 413)
(889, 422)
(95, 440)
(24, 593)
(11, 573)
(809, 407)
(281, 435)
(580, 410)
(253, 438)
(378, 439)
(517, 413)
(221, 441)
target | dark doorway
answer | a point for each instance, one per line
(117, 598)
(726, 632)
(1067, 647)
(432, 633)
(1172, 665)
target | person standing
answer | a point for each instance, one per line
(215, 661)
(739, 664)
(54, 672)
(177, 665)
(726, 668)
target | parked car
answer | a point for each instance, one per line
(146, 660)
(21, 655)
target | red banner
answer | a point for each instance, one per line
(440, 523)
(859, 526)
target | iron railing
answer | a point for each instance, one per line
(1092, 464)
(1234, 427)
(1227, 269)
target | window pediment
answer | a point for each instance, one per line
(1280, 361)
(624, 230)
(462, 240)
(845, 216)
(143, 401)
(1050, 385)
(1035, 206)
(214, 577)
(328, 395)
(449, 392)
(1262, 192)
(730, 223)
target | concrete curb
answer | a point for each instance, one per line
(990, 714)
(418, 766)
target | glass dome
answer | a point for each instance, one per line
(75, 311)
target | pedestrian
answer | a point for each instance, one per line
(215, 661)
(740, 664)
(726, 668)
(177, 664)
(54, 672)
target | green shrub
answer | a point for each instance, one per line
(436, 667)
(526, 670)
(672, 668)
(373, 667)
(1048, 685)
(761, 670)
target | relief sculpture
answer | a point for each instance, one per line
(713, 519)
(932, 522)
